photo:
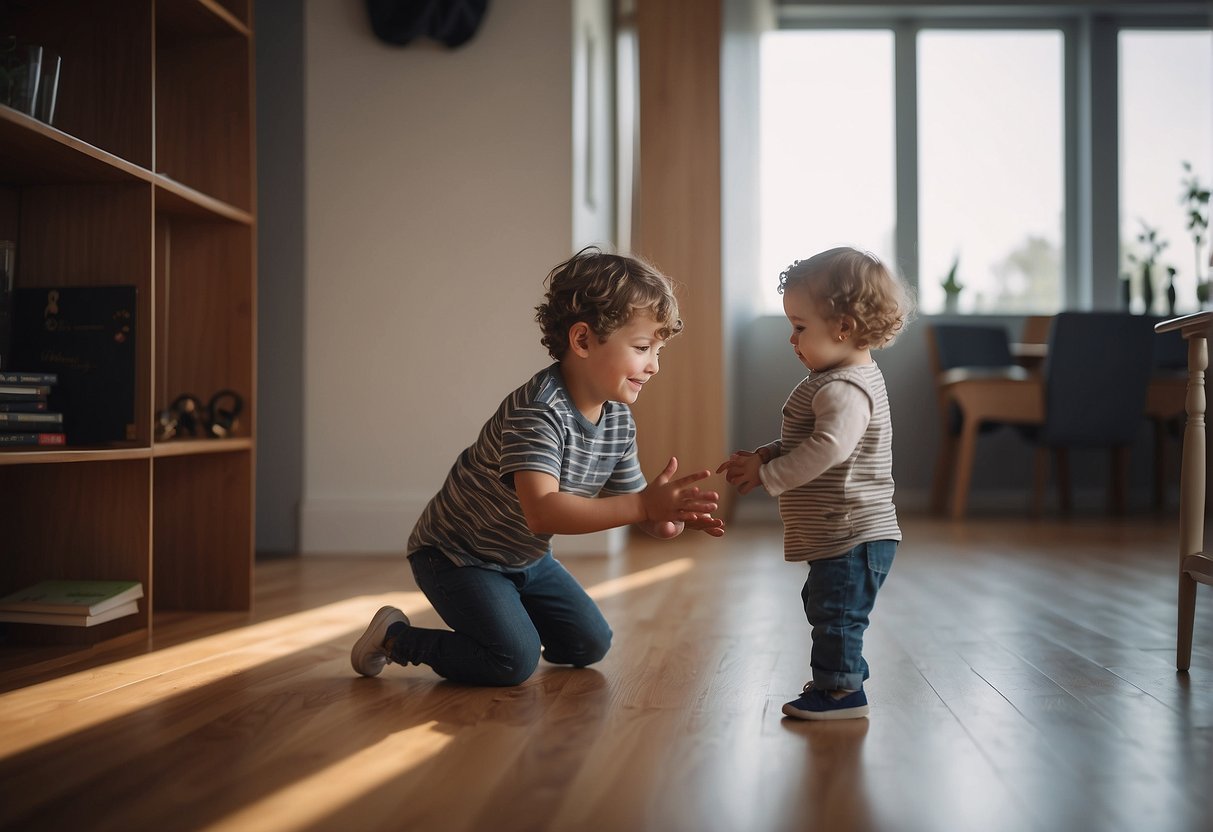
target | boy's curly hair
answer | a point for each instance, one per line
(846, 282)
(605, 291)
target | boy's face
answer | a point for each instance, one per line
(815, 339)
(616, 369)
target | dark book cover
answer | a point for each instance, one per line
(8, 438)
(31, 421)
(36, 406)
(23, 392)
(20, 377)
(85, 335)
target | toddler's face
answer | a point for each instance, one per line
(815, 339)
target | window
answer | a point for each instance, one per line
(987, 139)
(1166, 102)
(990, 169)
(827, 163)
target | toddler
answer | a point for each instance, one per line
(831, 468)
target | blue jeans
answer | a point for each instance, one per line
(838, 597)
(500, 621)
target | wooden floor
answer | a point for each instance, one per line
(1023, 679)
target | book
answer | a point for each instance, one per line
(76, 597)
(15, 377)
(10, 438)
(34, 406)
(86, 336)
(31, 421)
(64, 619)
(23, 392)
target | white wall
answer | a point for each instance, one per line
(438, 197)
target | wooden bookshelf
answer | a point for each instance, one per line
(146, 178)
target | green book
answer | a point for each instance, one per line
(72, 597)
(63, 619)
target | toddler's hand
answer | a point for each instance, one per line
(741, 470)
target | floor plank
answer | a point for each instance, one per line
(1023, 679)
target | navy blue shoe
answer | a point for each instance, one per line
(819, 704)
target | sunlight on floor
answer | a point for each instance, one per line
(41, 713)
(627, 583)
(298, 805)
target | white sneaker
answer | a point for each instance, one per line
(368, 656)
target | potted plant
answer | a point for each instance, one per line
(1195, 200)
(1154, 246)
(952, 287)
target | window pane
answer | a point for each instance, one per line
(990, 179)
(827, 148)
(1166, 119)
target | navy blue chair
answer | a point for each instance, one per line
(1096, 377)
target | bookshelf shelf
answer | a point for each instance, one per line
(182, 200)
(199, 18)
(35, 153)
(146, 179)
(13, 456)
(190, 447)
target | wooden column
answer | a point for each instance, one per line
(677, 227)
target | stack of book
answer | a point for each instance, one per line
(24, 417)
(72, 603)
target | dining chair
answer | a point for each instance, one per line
(1036, 329)
(1090, 394)
(1096, 376)
(1194, 565)
(960, 352)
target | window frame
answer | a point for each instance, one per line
(1090, 101)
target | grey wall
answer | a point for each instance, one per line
(280, 197)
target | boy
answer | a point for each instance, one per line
(480, 551)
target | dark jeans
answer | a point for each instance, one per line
(838, 597)
(500, 620)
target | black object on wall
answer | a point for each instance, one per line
(450, 22)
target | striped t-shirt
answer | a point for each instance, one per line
(476, 519)
(851, 502)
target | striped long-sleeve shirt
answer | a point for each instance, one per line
(476, 519)
(832, 466)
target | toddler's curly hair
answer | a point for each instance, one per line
(847, 282)
(605, 291)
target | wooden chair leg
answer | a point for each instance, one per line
(964, 468)
(1187, 617)
(1040, 480)
(1065, 496)
(943, 473)
(1160, 464)
(1118, 487)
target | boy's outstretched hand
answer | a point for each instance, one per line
(671, 505)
